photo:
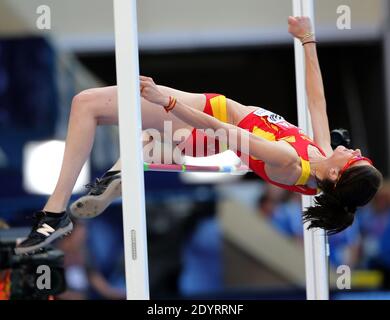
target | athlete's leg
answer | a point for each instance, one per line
(89, 109)
(157, 149)
(99, 107)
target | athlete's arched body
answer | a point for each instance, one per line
(278, 152)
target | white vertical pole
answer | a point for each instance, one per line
(317, 283)
(386, 51)
(130, 128)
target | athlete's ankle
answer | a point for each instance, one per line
(111, 173)
(54, 214)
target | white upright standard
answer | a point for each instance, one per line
(130, 129)
(316, 248)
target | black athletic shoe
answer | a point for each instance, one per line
(101, 193)
(101, 184)
(47, 228)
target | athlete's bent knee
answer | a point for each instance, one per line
(85, 96)
(84, 101)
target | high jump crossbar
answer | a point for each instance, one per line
(130, 128)
(191, 168)
(315, 241)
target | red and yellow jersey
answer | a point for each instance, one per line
(273, 127)
(269, 126)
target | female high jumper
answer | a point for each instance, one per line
(279, 152)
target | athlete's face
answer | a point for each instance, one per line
(342, 156)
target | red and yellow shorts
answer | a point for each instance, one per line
(199, 144)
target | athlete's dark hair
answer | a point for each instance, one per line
(337, 204)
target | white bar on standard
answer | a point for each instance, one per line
(317, 283)
(130, 128)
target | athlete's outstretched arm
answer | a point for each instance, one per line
(299, 27)
(270, 152)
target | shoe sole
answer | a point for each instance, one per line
(62, 232)
(89, 206)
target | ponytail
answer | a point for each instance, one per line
(336, 206)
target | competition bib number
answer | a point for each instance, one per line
(272, 117)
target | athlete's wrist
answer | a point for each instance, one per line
(165, 101)
(307, 37)
(171, 104)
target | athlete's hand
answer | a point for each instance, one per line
(150, 91)
(299, 26)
